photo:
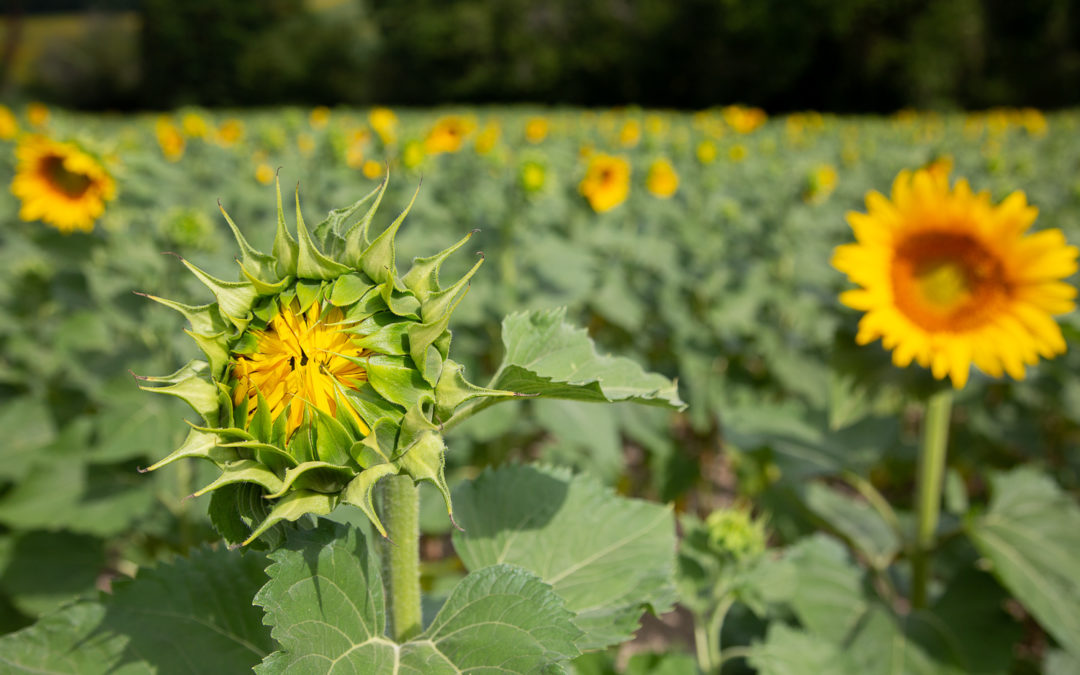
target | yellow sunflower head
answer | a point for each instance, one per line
(607, 182)
(662, 180)
(385, 123)
(536, 129)
(60, 184)
(448, 134)
(948, 279)
(325, 371)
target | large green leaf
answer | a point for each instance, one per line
(828, 599)
(548, 357)
(190, 617)
(45, 569)
(29, 426)
(326, 604)
(69, 642)
(1031, 535)
(501, 619)
(609, 557)
(857, 521)
(789, 651)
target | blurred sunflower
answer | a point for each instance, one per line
(607, 182)
(60, 184)
(536, 129)
(448, 134)
(9, 126)
(230, 132)
(264, 173)
(706, 152)
(949, 279)
(820, 183)
(170, 139)
(319, 117)
(630, 133)
(194, 125)
(37, 114)
(532, 175)
(372, 169)
(488, 138)
(384, 122)
(662, 180)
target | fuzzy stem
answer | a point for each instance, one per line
(707, 629)
(400, 511)
(928, 491)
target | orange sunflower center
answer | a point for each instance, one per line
(948, 282)
(301, 359)
(72, 184)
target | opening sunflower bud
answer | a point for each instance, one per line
(325, 369)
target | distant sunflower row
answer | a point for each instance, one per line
(946, 278)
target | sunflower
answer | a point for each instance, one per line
(302, 356)
(607, 182)
(662, 180)
(948, 279)
(536, 129)
(448, 134)
(60, 184)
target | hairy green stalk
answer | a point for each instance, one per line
(400, 511)
(928, 491)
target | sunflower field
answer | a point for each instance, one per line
(778, 394)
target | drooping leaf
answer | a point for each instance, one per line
(608, 557)
(856, 521)
(548, 357)
(326, 605)
(1031, 535)
(500, 619)
(828, 599)
(193, 616)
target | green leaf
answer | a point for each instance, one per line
(453, 389)
(969, 626)
(395, 379)
(348, 289)
(1031, 535)
(234, 298)
(423, 277)
(292, 506)
(285, 247)
(608, 557)
(500, 619)
(69, 641)
(360, 490)
(204, 319)
(311, 263)
(315, 476)
(550, 358)
(46, 569)
(325, 603)
(244, 471)
(191, 617)
(378, 260)
(198, 444)
(198, 393)
(789, 651)
(857, 521)
(828, 599)
(253, 262)
(28, 426)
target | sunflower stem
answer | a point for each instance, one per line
(400, 511)
(931, 473)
